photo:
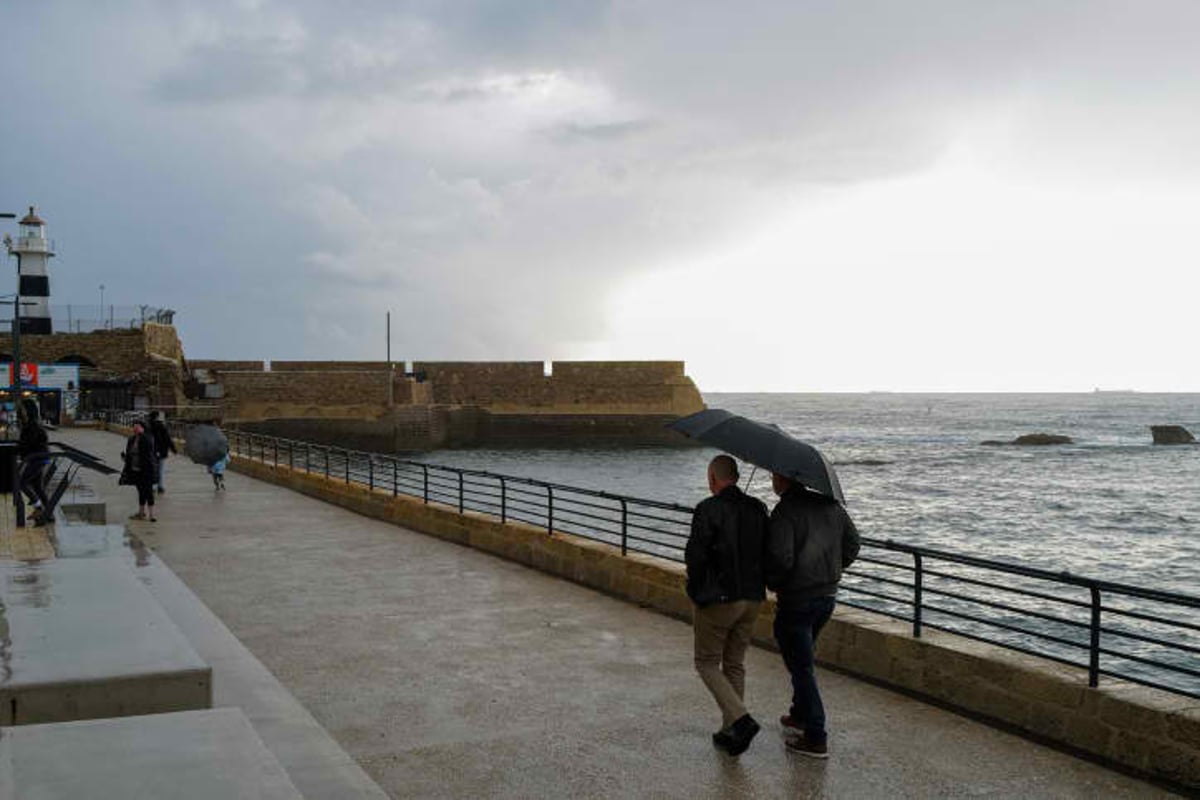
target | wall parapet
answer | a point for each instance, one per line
(1139, 728)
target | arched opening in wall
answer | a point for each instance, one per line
(548, 369)
(82, 361)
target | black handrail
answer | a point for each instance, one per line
(966, 601)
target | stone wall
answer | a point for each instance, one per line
(521, 383)
(333, 366)
(582, 387)
(258, 395)
(406, 428)
(150, 358)
(1146, 730)
(119, 352)
(163, 341)
(226, 366)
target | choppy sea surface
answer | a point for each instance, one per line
(1112, 505)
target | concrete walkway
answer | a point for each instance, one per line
(445, 672)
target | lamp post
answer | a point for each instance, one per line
(15, 390)
(102, 306)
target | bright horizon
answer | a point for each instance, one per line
(927, 197)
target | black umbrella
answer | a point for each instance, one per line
(205, 444)
(763, 445)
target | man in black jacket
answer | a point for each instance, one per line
(725, 580)
(163, 445)
(811, 540)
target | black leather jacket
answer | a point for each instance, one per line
(725, 551)
(811, 540)
(161, 436)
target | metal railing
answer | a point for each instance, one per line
(1137, 634)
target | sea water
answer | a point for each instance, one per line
(913, 467)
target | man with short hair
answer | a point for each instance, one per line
(811, 540)
(724, 557)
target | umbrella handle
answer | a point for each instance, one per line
(751, 478)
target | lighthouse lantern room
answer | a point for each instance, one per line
(33, 251)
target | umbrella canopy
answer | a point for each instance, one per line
(205, 444)
(763, 445)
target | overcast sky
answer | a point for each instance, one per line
(807, 196)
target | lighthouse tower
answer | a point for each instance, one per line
(33, 251)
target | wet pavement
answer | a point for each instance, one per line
(446, 672)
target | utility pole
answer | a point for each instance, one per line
(15, 389)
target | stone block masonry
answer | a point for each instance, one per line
(1149, 731)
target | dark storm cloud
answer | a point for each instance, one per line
(490, 170)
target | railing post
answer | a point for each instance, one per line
(275, 448)
(624, 527)
(326, 463)
(370, 472)
(291, 456)
(918, 580)
(549, 509)
(307, 458)
(395, 477)
(460, 491)
(1094, 649)
(346, 456)
(425, 482)
(503, 500)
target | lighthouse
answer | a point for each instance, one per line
(33, 251)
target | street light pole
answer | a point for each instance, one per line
(18, 500)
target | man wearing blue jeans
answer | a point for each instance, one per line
(810, 541)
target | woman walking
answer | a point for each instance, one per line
(141, 469)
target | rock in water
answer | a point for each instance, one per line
(1172, 434)
(1043, 438)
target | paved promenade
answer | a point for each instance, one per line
(446, 672)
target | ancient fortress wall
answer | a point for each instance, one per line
(162, 341)
(334, 366)
(261, 395)
(150, 357)
(122, 352)
(592, 387)
(211, 365)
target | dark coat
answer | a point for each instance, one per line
(141, 464)
(163, 443)
(811, 540)
(725, 551)
(33, 443)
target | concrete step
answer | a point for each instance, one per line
(84, 639)
(186, 756)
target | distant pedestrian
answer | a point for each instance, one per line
(141, 469)
(217, 470)
(163, 446)
(724, 555)
(33, 447)
(811, 540)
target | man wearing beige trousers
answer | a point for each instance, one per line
(724, 555)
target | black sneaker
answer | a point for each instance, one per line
(743, 732)
(801, 745)
(722, 740)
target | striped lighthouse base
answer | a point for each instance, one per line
(37, 326)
